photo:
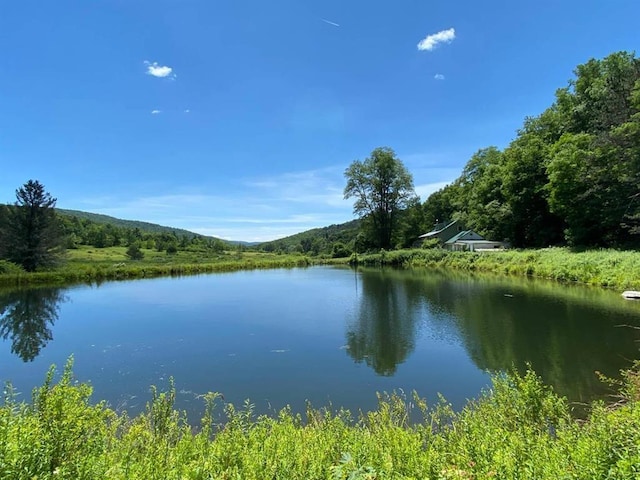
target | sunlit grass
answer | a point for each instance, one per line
(604, 268)
(90, 264)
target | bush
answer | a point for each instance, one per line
(134, 252)
(8, 267)
(339, 250)
(431, 243)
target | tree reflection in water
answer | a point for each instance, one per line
(566, 333)
(383, 333)
(25, 318)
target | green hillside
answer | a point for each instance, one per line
(118, 222)
(317, 240)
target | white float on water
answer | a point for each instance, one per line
(631, 295)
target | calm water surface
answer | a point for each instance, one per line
(328, 335)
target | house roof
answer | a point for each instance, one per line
(462, 234)
(437, 231)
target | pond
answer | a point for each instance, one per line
(332, 336)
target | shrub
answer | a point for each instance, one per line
(8, 267)
(339, 250)
(134, 252)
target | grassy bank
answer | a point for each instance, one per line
(604, 268)
(88, 264)
(517, 429)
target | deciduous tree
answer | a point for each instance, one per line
(381, 186)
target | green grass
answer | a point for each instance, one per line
(517, 429)
(90, 264)
(604, 268)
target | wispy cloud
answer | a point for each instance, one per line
(187, 111)
(330, 22)
(155, 112)
(438, 76)
(159, 71)
(430, 42)
(254, 209)
(317, 188)
(259, 208)
(425, 190)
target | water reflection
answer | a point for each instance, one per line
(25, 318)
(567, 334)
(383, 334)
(567, 341)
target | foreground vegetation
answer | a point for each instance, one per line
(604, 268)
(517, 429)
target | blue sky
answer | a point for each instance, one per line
(238, 118)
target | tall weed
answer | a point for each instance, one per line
(518, 428)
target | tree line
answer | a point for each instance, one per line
(572, 174)
(570, 177)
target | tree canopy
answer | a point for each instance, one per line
(29, 231)
(382, 188)
(572, 174)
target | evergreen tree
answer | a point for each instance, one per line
(29, 233)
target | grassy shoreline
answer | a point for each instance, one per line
(602, 268)
(516, 429)
(90, 265)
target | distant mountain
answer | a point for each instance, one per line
(118, 222)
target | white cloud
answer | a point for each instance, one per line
(187, 111)
(159, 71)
(432, 41)
(438, 76)
(155, 112)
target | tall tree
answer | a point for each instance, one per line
(382, 187)
(532, 224)
(481, 201)
(30, 235)
(440, 206)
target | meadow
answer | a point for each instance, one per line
(90, 264)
